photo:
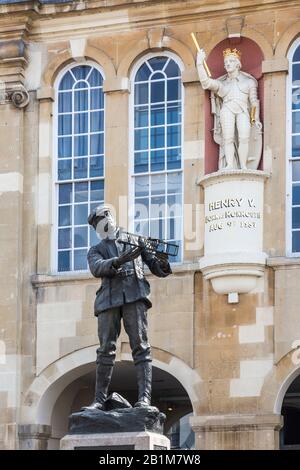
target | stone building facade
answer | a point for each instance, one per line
(234, 366)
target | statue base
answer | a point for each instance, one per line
(115, 441)
(233, 243)
(117, 420)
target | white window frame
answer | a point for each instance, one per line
(131, 174)
(289, 159)
(55, 182)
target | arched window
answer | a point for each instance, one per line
(293, 150)
(157, 149)
(79, 150)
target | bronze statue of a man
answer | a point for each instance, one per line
(123, 295)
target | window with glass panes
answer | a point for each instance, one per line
(80, 163)
(157, 150)
(294, 155)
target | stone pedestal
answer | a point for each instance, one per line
(115, 441)
(233, 242)
(233, 432)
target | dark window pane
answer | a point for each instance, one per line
(296, 217)
(97, 190)
(158, 184)
(80, 237)
(296, 56)
(174, 90)
(158, 76)
(172, 69)
(157, 115)
(140, 162)
(157, 137)
(157, 63)
(141, 208)
(296, 242)
(296, 171)
(158, 160)
(142, 186)
(81, 192)
(64, 238)
(296, 98)
(96, 144)
(173, 113)
(65, 147)
(173, 159)
(296, 122)
(65, 124)
(64, 216)
(143, 73)
(94, 240)
(65, 102)
(296, 194)
(81, 71)
(97, 99)
(142, 228)
(157, 92)
(174, 183)
(141, 116)
(173, 136)
(296, 72)
(81, 84)
(64, 169)
(65, 193)
(64, 261)
(296, 146)
(80, 214)
(176, 259)
(80, 146)
(81, 100)
(174, 205)
(96, 166)
(158, 207)
(80, 168)
(80, 260)
(81, 123)
(141, 139)
(67, 82)
(141, 93)
(95, 78)
(157, 228)
(97, 121)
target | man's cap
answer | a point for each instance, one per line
(96, 213)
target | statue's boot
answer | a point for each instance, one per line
(103, 378)
(144, 380)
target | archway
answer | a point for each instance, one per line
(290, 410)
(167, 394)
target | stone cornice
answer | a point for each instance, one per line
(49, 21)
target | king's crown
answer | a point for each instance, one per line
(234, 52)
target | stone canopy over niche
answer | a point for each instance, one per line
(251, 59)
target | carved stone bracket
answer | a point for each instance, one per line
(18, 96)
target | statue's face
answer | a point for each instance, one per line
(231, 63)
(106, 227)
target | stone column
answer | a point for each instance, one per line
(34, 436)
(13, 99)
(237, 432)
(117, 146)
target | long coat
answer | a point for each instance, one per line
(118, 290)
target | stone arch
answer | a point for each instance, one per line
(286, 40)
(64, 58)
(167, 44)
(279, 380)
(42, 394)
(247, 33)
